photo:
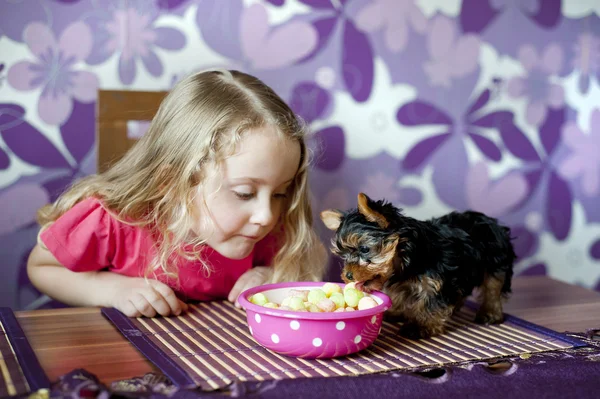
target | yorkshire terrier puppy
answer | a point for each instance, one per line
(427, 268)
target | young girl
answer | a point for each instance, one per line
(211, 201)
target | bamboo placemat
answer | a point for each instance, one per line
(211, 347)
(20, 371)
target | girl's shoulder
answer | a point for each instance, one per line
(88, 237)
(88, 204)
(86, 208)
(90, 212)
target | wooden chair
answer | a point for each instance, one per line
(117, 112)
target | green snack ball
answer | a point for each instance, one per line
(286, 301)
(361, 294)
(316, 295)
(330, 288)
(271, 305)
(259, 299)
(352, 297)
(296, 303)
(338, 299)
(350, 285)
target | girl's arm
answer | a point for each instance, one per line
(134, 296)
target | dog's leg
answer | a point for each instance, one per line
(398, 295)
(394, 317)
(426, 324)
(490, 311)
(427, 316)
(424, 308)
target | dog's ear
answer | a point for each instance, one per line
(332, 218)
(370, 214)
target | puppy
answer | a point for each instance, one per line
(427, 268)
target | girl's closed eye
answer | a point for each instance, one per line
(248, 196)
(244, 196)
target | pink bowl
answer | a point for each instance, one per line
(311, 335)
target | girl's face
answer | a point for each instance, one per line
(246, 195)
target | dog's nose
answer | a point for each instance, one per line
(349, 276)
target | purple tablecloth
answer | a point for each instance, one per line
(567, 373)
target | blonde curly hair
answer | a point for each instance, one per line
(154, 184)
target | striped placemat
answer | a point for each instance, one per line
(20, 371)
(211, 347)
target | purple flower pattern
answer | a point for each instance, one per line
(452, 55)
(381, 185)
(257, 45)
(595, 250)
(54, 70)
(266, 48)
(494, 198)
(395, 17)
(472, 125)
(536, 86)
(587, 59)
(128, 29)
(544, 13)
(583, 161)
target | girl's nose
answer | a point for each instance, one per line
(263, 213)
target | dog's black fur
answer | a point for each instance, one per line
(428, 268)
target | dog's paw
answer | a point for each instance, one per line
(410, 331)
(394, 318)
(486, 317)
(414, 331)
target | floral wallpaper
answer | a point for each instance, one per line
(435, 105)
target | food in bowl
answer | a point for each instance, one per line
(311, 334)
(328, 298)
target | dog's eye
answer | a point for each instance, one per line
(363, 249)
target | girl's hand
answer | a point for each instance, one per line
(256, 276)
(137, 297)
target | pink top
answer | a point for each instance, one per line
(88, 238)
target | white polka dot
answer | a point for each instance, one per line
(275, 338)
(357, 339)
(373, 319)
(340, 325)
(294, 324)
(257, 317)
(317, 342)
(251, 333)
(325, 77)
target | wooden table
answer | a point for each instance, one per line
(65, 339)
